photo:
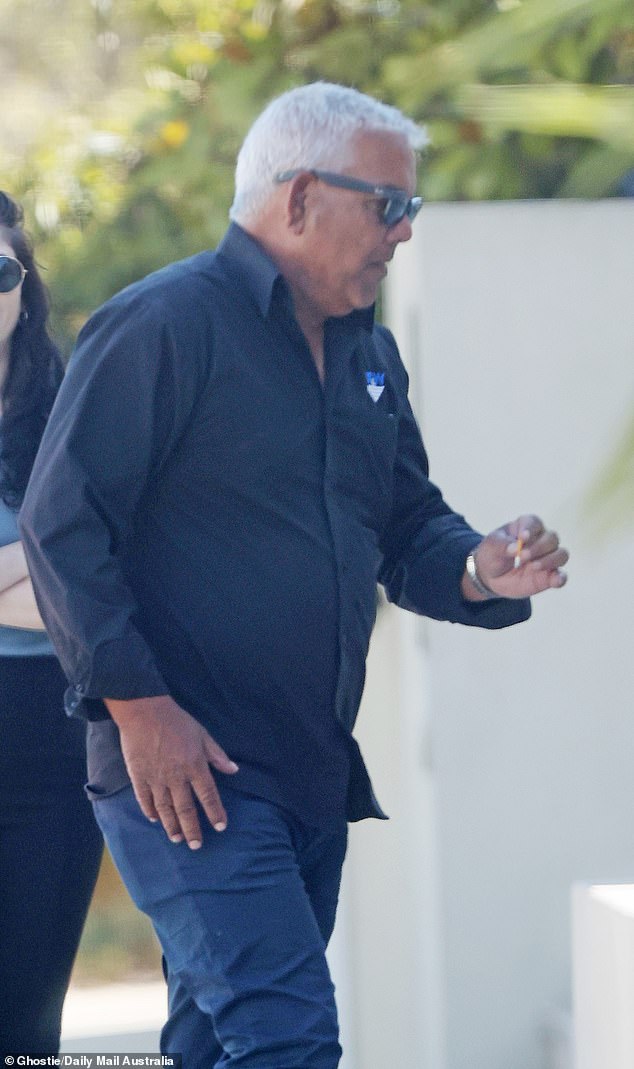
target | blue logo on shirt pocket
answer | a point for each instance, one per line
(375, 384)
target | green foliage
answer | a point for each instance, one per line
(134, 109)
(118, 941)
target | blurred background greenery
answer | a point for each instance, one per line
(122, 119)
(118, 942)
(126, 115)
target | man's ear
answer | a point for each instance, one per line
(296, 203)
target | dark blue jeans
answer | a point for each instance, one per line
(243, 923)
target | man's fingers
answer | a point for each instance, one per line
(207, 794)
(550, 561)
(527, 527)
(145, 798)
(179, 814)
(547, 542)
(176, 809)
(539, 550)
(182, 817)
(169, 820)
(217, 757)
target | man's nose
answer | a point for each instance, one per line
(401, 231)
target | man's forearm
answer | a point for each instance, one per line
(125, 710)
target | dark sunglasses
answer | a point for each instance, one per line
(11, 273)
(394, 203)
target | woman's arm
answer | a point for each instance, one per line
(18, 607)
(13, 566)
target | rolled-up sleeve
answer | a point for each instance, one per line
(124, 401)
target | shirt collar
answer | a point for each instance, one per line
(263, 279)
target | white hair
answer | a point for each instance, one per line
(312, 126)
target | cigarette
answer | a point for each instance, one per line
(516, 559)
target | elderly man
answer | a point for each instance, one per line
(231, 466)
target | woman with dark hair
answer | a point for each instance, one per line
(49, 843)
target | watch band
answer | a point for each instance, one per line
(472, 572)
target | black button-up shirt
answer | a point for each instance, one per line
(206, 519)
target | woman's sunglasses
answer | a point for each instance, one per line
(11, 273)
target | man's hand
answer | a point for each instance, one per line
(540, 561)
(167, 754)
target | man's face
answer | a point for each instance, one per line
(346, 243)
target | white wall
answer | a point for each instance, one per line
(603, 975)
(505, 758)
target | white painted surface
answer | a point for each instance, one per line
(504, 758)
(114, 1018)
(603, 959)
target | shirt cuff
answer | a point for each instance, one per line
(121, 668)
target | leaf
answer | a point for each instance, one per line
(598, 172)
(597, 112)
(502, 41)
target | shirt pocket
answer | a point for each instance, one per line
(366, 452)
